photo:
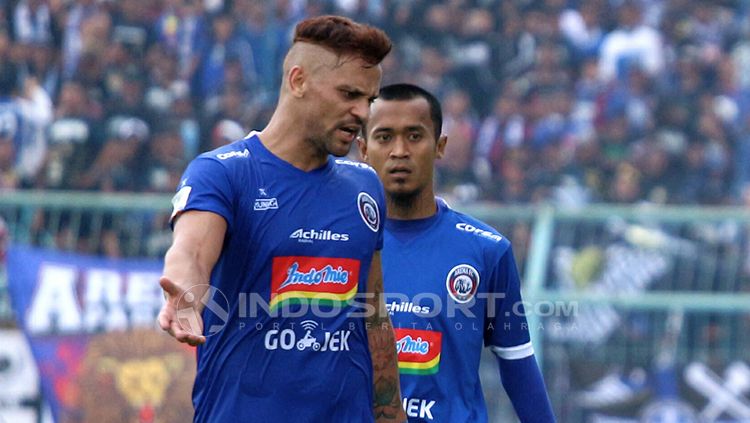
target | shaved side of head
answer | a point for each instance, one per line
(311, 58)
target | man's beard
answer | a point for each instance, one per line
(324, 142)
(404, 200)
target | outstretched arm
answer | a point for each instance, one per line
(197, 241)
(387, 392)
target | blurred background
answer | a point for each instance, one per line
(608, 139)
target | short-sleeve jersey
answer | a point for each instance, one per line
(282, 345)
(451, 287)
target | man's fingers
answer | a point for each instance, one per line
(165, 322)
(169, 287)
(184, 325)
(187, 337)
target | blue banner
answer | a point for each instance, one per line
(91, 324)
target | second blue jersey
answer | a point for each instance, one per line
(282, 345)
(451, 287)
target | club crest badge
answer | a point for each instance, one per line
(462, 283)
(368, 210)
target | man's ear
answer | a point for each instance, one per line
(440, 147)
(362, 144)
(297, 80)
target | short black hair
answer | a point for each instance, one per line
(396, 92)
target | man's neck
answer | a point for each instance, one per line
(421, 206)
(285, 138)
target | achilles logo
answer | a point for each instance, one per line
(311, 235)
(406, 307)
(415, 407)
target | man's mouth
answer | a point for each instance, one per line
(351, 131)
(399, 171)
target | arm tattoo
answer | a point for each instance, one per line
(387, 393)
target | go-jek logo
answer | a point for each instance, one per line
(288, 339)
(418, 351)
(324, 280)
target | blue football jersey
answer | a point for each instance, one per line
(285, 347)
(451, 287)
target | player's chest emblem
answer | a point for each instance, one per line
(264, 201)
(462, 283)
(368, 210)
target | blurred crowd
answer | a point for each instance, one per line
(564, 101)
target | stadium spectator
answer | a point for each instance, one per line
(461, 126)
(73, 139)
(115, 167)
(24, 116)
(165, 160)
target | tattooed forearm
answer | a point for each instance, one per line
(387, 394)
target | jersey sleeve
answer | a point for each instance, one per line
(506, 329)
(205, 186)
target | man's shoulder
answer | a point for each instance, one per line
(359, 173)
(474, 229)
(351, 166)
(233, 152)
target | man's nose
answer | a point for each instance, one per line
(361, 110)
(400, 148)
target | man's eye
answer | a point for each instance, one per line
(415, 137)
(383, 137)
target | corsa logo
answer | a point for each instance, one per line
(418, 351)
(323, 280)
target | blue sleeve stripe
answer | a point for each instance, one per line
(514, 353)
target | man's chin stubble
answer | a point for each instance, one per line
(404, 200)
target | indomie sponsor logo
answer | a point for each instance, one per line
(478, 231)
(314, 277)
(418, 351)
(408, 344)
(324, 280)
